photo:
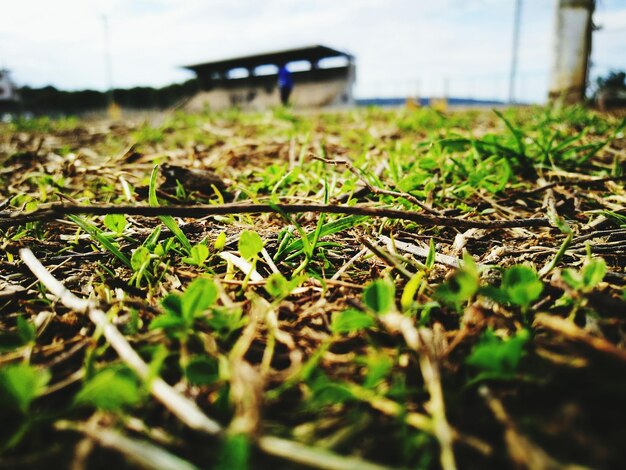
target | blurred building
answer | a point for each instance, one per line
(322, 76)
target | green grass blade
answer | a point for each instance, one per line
(329, 228)
(99, 236)
(517, 134)
(167, 220)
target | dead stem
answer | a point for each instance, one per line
(522, 451)
(569, 330)
(421, 341)
(56, 211)
(318, 458)
(387, 257)
(582, 182)
(143, 453)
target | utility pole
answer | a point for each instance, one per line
(113, 109)
(517, 17)
(572, 48)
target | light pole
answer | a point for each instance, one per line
(516, 27)
(113, 109)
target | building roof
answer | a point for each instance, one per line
(310, 53)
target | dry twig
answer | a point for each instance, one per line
(572, 332)
(143, 453)
(56, 211)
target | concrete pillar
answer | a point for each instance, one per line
(572, 47)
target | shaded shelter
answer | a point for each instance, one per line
(322, 76)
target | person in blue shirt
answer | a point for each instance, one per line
(285, 84)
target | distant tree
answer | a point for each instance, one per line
(610, 91)
(49, 100)
(613, 80)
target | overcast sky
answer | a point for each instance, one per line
(401, 46)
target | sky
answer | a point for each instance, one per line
(414, 47)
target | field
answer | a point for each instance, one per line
(362, 289)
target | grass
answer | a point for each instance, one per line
(320, 340)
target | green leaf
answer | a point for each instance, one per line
(494, 293)
(380, 295)
(378, 367)
(220, 241)
(159, 356)
(559, 222)
(277, 286)
(170, 223)
(521, 285)
(518, 134)
(26, 330)
(430, 259)
(339, 225)
(588, 277)
(469, 265)
(618, 218)
(140, 257)
(250, 244)
(592, 273)
(98, 235)
(202, 371)
(152, 197)
(327, 392)
(459, 288)
(198, 255)
(173, 304)
(199, 296)
(226, 321)
(572, 278)
(350, 320)
(172, 320)
(151, 240)
(410, 289)
(499, 358)
(167, 220)
(115, 223)
(167, 322)
(20, 384)
(111, 389)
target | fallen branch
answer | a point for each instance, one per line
(582, 183)
(57, 211)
